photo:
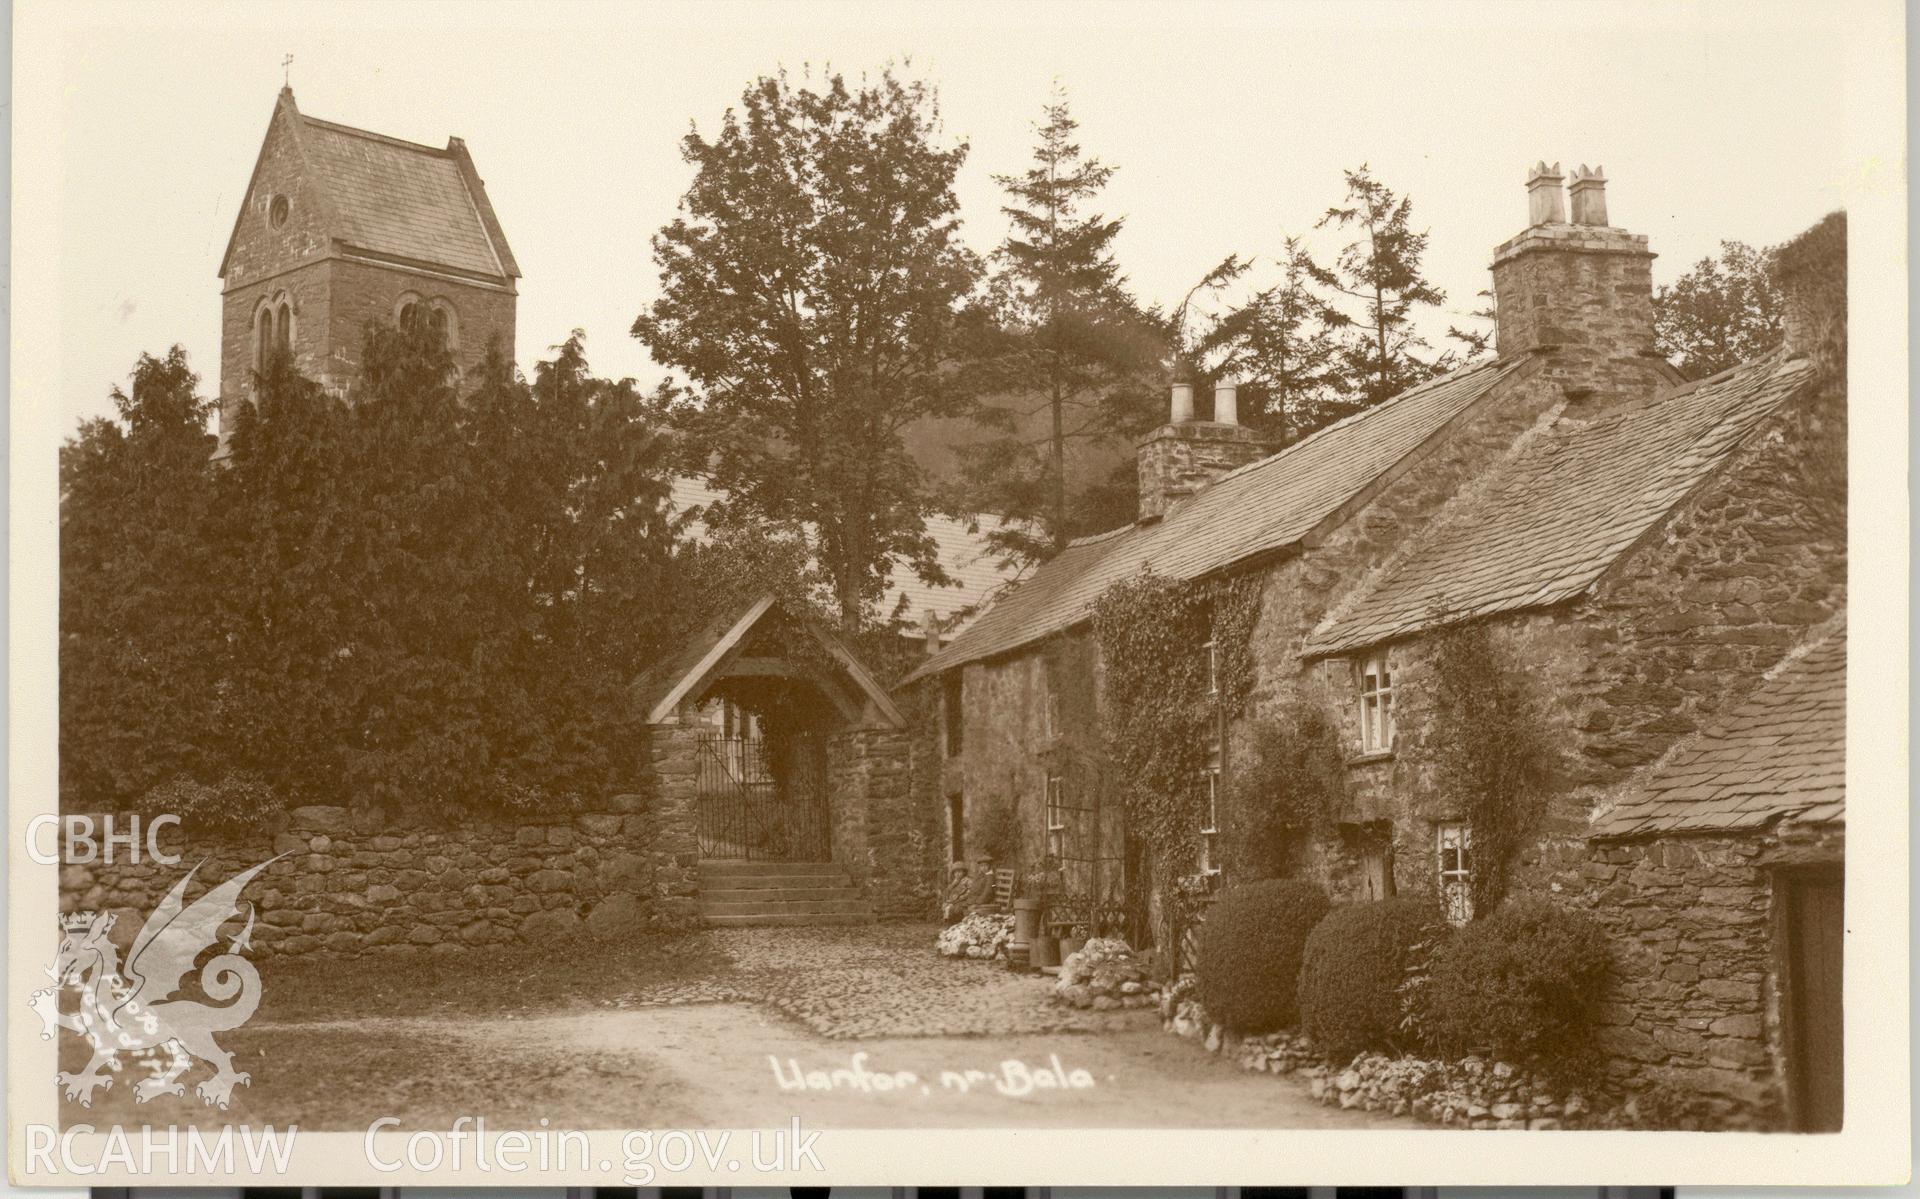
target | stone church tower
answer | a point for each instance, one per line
(340, 227)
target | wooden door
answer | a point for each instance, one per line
(1815, 929)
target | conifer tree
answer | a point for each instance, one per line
(1283, 344)
(1073, 343)
(1379, 273)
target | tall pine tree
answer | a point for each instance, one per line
(1379, 273)
(1073, 345)
(1284, 345)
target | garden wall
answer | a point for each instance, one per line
(354, 882)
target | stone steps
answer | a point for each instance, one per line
(779, 893)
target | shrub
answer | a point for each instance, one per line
(1291, 775)
(1250, 946)
(238, 801)
(1352, 972)
(1522, 983)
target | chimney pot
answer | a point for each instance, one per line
(1589, 194)
(1546, 202)
(1182, 402)
(1226, 402)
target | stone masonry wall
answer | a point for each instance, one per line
(353, 883)
(1695, 1006)
(364, 292)
(899, 883)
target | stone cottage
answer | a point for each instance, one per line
(1644, 550)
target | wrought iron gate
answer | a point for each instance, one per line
(764, 801)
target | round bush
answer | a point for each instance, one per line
(1351, 973)
(1522, 983)
(1250, 945)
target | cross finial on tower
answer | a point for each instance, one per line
(286, 71)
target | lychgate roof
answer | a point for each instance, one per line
(1261, 508)
(1558, 514)
(1781, 753)
(708, 656)
(960, 543)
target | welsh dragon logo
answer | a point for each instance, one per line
(130, 1011)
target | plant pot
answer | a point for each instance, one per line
(1070, 946)
(1026, 919)
(1046, 951)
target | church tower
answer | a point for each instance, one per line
(340, 227)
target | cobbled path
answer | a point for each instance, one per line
(884, 980)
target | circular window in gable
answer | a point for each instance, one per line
(277, 211)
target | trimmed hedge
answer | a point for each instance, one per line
(1250, 949)
(1522, 983)
(1352, 972)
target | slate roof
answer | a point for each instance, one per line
(1558, 514)
(1264, 507)
(400, 198)
(1782, 752)
(961, 545)
(393, 198)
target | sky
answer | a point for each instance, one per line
(1229, 128)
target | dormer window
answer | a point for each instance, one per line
(1375, 681)
(277, 210)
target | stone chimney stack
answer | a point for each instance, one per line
(1578, 292)
(1184, 455)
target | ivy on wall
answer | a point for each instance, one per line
(1287, 785)
(1157, 712)
(1491, 758)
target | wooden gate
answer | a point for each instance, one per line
(1812, 934)
(764, 801)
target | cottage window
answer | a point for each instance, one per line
(1052, 713)
(950, 697)
(1454, 842)
(1212, 651)
(1056, 818)
(1376, 704)
(1210, 821)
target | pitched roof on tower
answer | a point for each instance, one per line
(394, 199)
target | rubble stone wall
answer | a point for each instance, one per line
(355, 882)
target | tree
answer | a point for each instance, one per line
(1284, 344)
(1380, 272)
(419, 597)
(136, 590)
(812, 292)
(1072, 337)
(1721, 313)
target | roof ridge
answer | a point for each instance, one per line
(1457, 373)
(370, 135)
